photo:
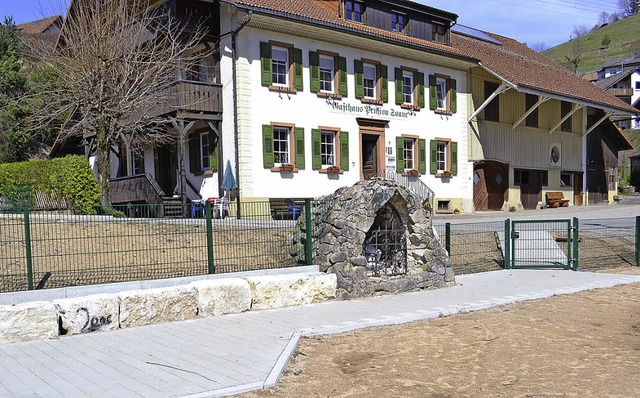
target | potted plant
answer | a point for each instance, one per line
(333, 169)
(286, 167)
(413, 173)
(446, 174)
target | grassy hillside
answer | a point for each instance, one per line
(625, 41)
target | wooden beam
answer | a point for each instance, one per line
(596, 124)
(576, 107)
(541, 100)
(503, 87)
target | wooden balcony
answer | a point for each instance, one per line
(141, 188)
(621, 92)
(191, 96)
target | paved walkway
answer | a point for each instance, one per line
(237, 353)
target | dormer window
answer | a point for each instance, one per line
(398, 22)
(438, 32)
(353, 11)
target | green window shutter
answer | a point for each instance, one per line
(267, 145)
(399, 96)
(316, 158)
(384, 83)
(454, 158)
(399, 154)
(342, 76)
(297, 69)
(344, 150)
(433, 99)
(194, 153)
(433, 161)
(299, 147)
(213, 152)
(358, 73)
(421, 89)
(454, 96)
(314, 71)
(265, 59)
(422, 156)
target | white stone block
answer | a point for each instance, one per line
(89, 314)
(28, 321)
(290, 290)
(222, 296)
(146, 307)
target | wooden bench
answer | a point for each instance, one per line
(556, 199)
(282, 210)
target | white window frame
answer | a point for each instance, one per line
(277, 61)
(442, 155)
(441, 94)
(374, 88)
(332, 72)
(204, 151)
(278, 152)
(407, 97)
(328, 148)
(409, 151)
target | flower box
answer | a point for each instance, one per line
(446, 174)
(286, 167)
(412, 173)
(333, 169)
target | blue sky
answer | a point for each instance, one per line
(530, 21)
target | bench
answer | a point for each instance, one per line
(556, 199)
(285, 208)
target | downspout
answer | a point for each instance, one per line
(235, 104)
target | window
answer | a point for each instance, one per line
(283, 145)
(398, 22)
(204, 151)
(442, 94)
(370, 80)
(565, 179)
(327, 74)
(612, 178)
(565, 109)
(411, 154)
(407, 87)
(438, 32)
(444, 157)
(330, 148)
(524, 177)
(137, 157)
(408, 153)
(281, 66)
(637, 85)
(492, 110)
(202, 70)
(354, 11)
(532, 118)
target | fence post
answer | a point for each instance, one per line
(308, 244)
(576, 244)
(211, 268)
(638, 240)
(27, 244)
(447, 238)
(507, 243)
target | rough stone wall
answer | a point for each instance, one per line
(341, 222)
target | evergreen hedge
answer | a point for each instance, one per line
(68, 179)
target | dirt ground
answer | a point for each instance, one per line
(581, 345)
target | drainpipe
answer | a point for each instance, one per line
(234, 34)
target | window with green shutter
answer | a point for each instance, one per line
(358, 74)
(297, 69)
(433, 96)
(265, 60)
(213, 152)
(453, 95)
(421, 89)
(399, 154)
(314, 71)
(454, 158)
(316, 150)
(344, 150)
(384, 83)
(422, 156)
(399, 86)
(267, 145)
(342, 76)
(300, 161)
(433, 157)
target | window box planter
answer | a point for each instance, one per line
(287, 168)
(333, 170)
(445, 174)
(411, 173)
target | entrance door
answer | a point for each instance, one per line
(531, 189)
(166, 164)
(369, 156)
(490, 183)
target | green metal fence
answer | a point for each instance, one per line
(59, 249)
(585, 244)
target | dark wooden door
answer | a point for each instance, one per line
(490, 183)
(577, 189)
(166, 164)
(531, 190)
(369, 156)
(480, 195)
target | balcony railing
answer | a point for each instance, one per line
(140, 188)
(621, 92)
(191, 96)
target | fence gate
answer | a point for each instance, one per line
(541, 244)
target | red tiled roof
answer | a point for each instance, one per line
(326, 12)
(525, 68)
(39, 25)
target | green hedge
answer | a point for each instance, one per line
(69, 178)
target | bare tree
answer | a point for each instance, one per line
(574, 56)
(580, 30)
(114, 62)
(538, 46)
(628, 7)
